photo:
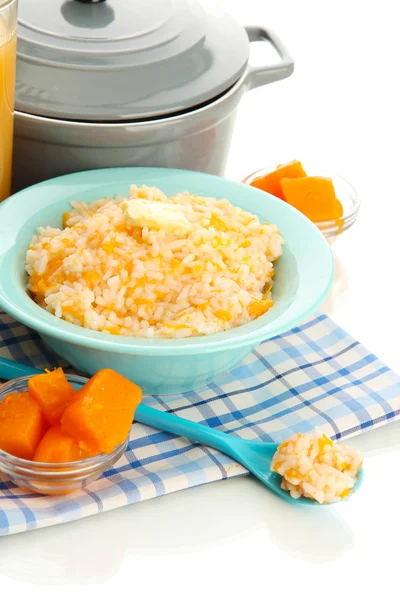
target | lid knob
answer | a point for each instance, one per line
(90, 1)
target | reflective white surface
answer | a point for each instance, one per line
(233, 539)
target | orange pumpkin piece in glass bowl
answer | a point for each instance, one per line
(57, 447)
(325, 198)
(101, 414)
(52, 392)
(313, 196)
(22, 425)
(271, 181)
(94, 418)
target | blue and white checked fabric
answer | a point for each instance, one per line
(314, 375)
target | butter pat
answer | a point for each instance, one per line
(155, 215)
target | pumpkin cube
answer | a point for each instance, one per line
(313, 196)
(52, 392)
(271, 182)
(100, 416)
(57, 447)
(22, 425)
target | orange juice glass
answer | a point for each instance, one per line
(8, 50)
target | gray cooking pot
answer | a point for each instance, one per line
(124, 83)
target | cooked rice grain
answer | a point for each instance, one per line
(106, 274)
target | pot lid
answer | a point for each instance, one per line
(113, 60)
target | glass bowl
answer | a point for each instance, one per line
(54, 478)
(345, 192)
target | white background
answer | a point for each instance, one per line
(233, 539)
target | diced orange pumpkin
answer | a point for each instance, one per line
(218, 223)
(293, 473)
(277, 466)
(271, 182)
(283, 445)
(92, 277)
(109, 247)
(101, 414)
(313, 196)
(323, 441)
(22, 425)
(57, 446)
(65, 218)
(223, 315)
(256, 308)
(52, 392)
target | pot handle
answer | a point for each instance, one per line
(269, 73)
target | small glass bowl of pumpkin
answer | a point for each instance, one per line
(59, 432)
(327, 199)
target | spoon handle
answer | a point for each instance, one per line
(226, 443)
(10, 369)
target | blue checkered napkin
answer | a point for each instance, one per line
(315, 375)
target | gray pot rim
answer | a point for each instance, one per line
(145, 122)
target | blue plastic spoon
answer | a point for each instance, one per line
(254, 455)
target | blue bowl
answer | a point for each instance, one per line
(303, 279)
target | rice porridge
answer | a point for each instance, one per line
(155, 267)
(312, 465)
